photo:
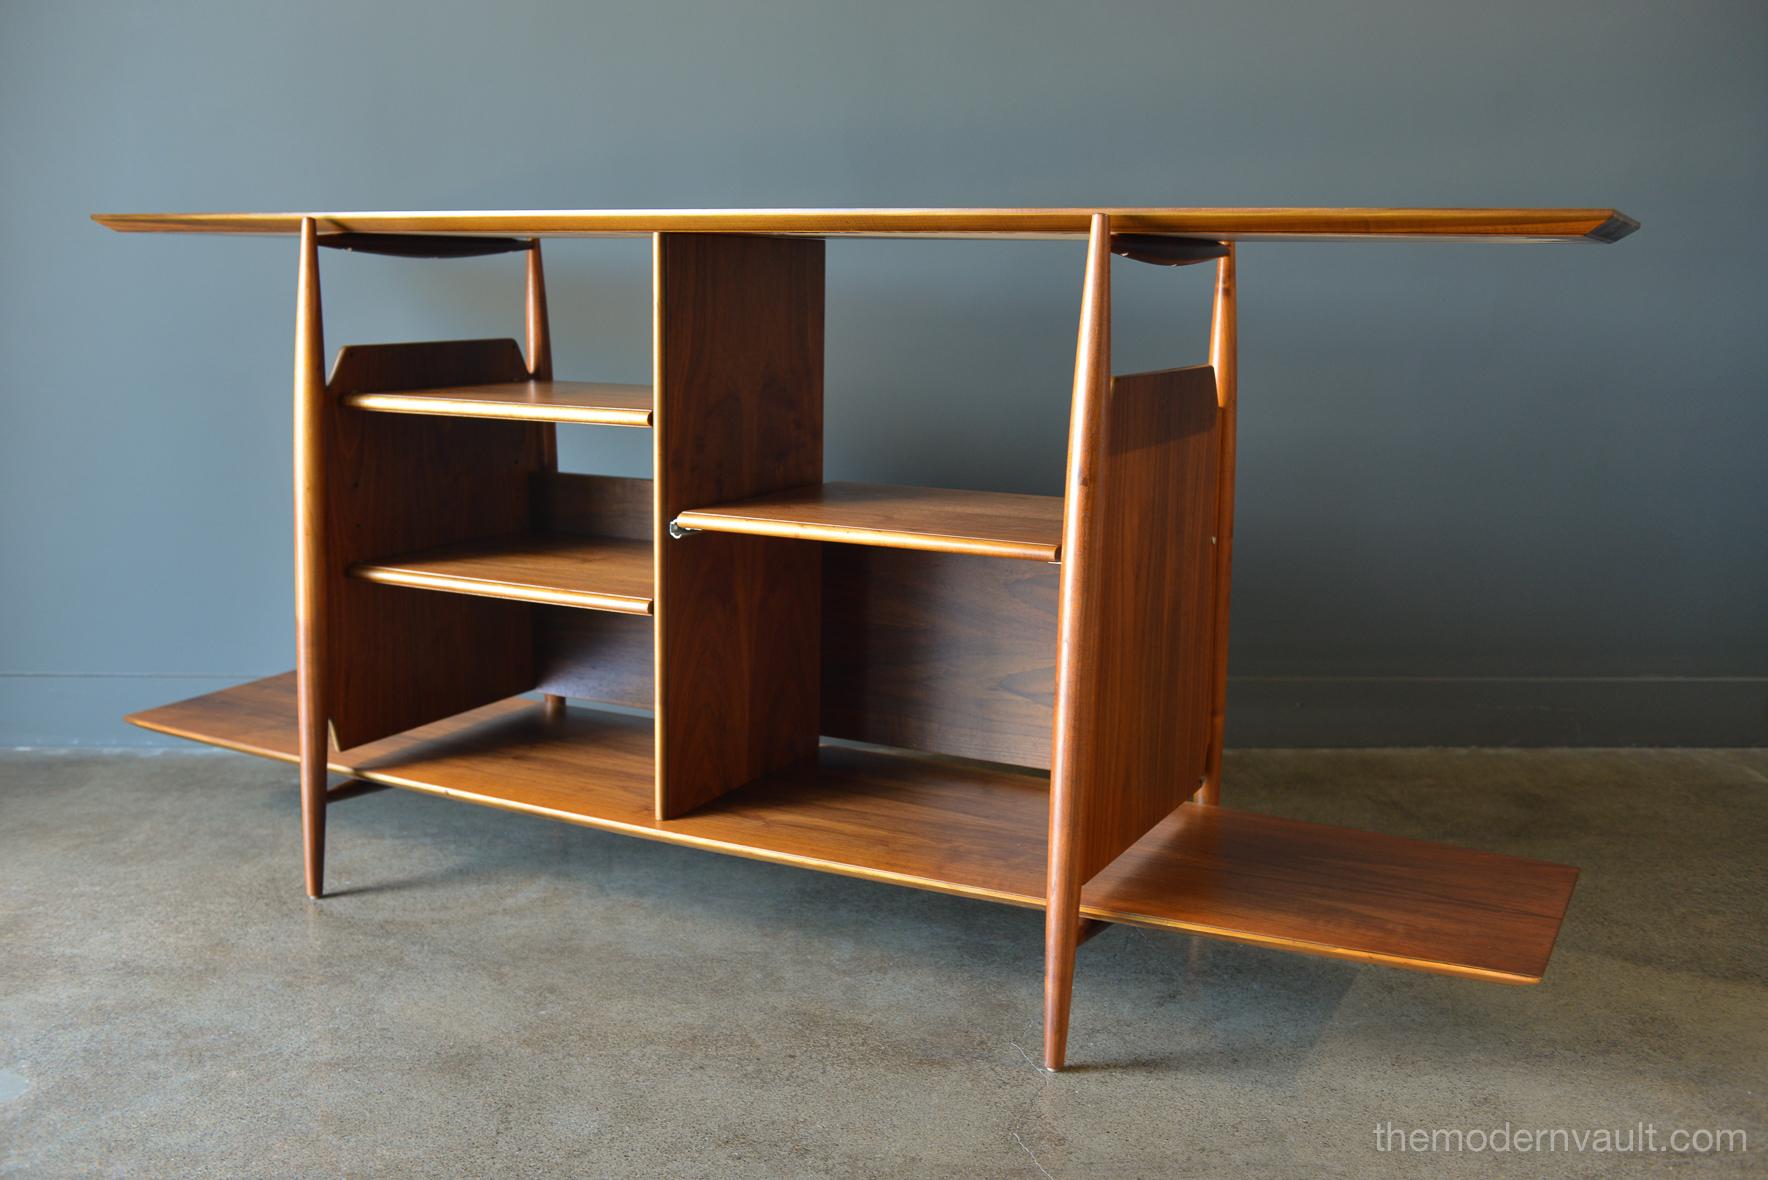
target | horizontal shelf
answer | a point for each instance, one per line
(963, 829)
(993, 524)
(596, 573)
(586, 402)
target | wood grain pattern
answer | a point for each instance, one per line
(535, 320)
(594, 505)
(937, 520)
(583, 402)
(964, 829)
(1224, 358)
(401, 484)
(595, 656)
(313, 605)
(1067, 842)
(1339, 892)
(588, 654)
(538, 325)
(1221, 224)
(739, 412)
(1135, 653)
(593, 573)
(1134, 709)
(946, 653)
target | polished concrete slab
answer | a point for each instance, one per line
(496, 995)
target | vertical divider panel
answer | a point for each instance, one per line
(1136, 704)
(738, 412)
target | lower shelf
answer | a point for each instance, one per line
(964, 829)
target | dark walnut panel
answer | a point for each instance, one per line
(948, 653)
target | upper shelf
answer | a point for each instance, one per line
(991, 524)
(594, 403)
(1214, 224)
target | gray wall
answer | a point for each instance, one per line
(1489, 494)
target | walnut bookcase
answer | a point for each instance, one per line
(1007, 697)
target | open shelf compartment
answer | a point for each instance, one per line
(584, 402)
(557, 569)
(961, 828)
(937, 520)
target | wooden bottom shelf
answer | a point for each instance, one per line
(965, 829)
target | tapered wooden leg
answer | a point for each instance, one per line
(1061, 936)
(310, 557)
(540, 368)
(313, 804)
(1224, 341)
(539, 332)
(1092, 380)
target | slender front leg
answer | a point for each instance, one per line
(310, 557)
(1061, 936)
(540, 368)
(1224, 347)
(1092, 377)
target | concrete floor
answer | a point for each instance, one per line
(500, 996)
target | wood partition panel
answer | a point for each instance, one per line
(1135, 715)
(588, 654)
(397, 658)
(739, 412)
(949, 653)
(593, 505)
(594, 656)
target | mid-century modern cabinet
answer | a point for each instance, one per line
(1007, 697)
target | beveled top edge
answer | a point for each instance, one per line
(1218, 224)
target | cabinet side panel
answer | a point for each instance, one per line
(1143, 619)
(401, 658)
(738, 412)
(948, 653)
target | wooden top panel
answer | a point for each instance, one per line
(1216, 224)
(963, 828)
(596, 573)
(992, 524)
(585, 402)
